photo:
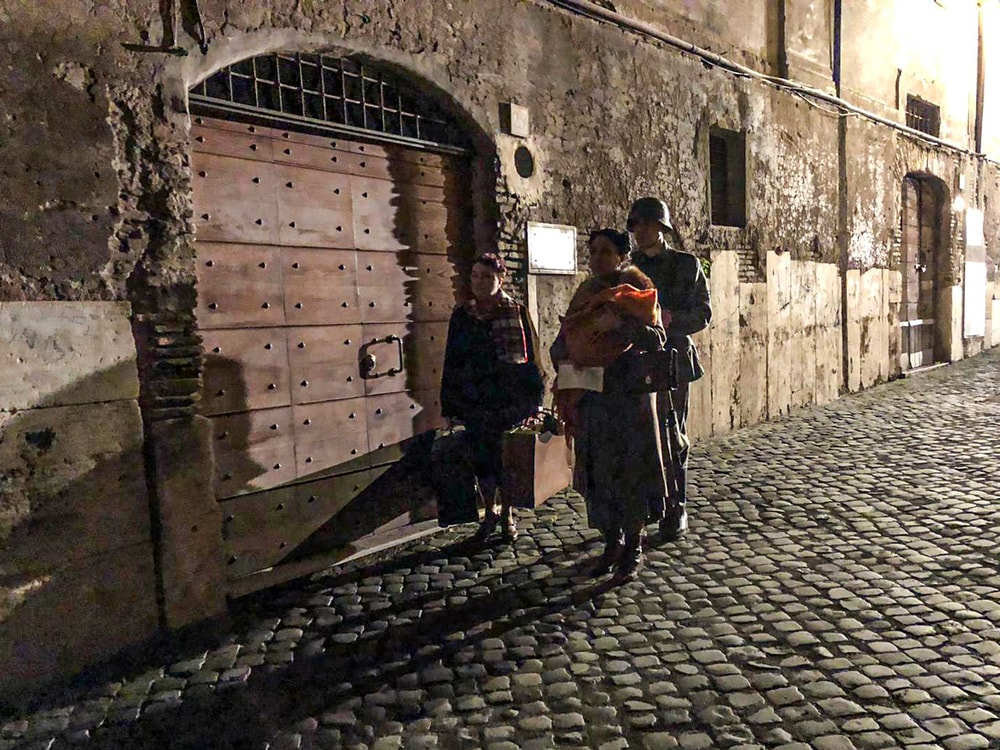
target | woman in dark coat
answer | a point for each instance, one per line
(619, 465)
(491, 381)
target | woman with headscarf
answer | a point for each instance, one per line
(612, 318)
(491, 381)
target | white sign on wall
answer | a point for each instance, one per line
(551, 248)
(974, 236)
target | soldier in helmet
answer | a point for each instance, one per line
(683, 293)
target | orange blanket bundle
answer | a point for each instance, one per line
(589, 347)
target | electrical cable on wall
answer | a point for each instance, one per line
(712, 60)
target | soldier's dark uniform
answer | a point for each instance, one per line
(683, 291)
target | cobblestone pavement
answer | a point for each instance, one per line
(839, 589)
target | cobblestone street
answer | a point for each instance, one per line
(839, 589)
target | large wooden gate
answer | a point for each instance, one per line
(918, 258)
(327, 271)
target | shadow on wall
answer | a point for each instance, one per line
(77, 581)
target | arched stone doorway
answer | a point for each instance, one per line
(921, 264)
(333, 220)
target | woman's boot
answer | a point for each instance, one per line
(611, 554)
(508, 525)
(491, 518)
(631, 560)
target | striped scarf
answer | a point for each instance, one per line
(506, 328)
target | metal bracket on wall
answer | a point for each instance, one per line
(191, 22)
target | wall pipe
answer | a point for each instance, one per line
(599, 13)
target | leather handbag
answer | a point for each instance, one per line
(650, 372)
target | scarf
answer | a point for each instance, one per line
(506, 328)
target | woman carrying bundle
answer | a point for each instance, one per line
(612, 318)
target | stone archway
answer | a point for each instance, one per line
(179, 442)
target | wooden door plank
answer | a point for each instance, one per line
(374, 211)
(385, 283)
(239, 286)
(435, 292)
(321, 287)
(253, 529)
(224, 138)
(310, 139)
(390, 152)
(395, 417)
(314, 208)
(393, 217)
(235, 199)
(315, 156)
(423, 355)
(329, 434)
(324, 363)
(263, 529)
(373, 337)
(245, 369)
(254, 450)
(429, 414)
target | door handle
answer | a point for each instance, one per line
(368, 363)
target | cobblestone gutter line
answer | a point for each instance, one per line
(839, 590)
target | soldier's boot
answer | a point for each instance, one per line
(613, 546)
(674, 524)
(631, 559)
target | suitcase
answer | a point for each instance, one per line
(536, 465)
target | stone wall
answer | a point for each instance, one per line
(76, 560)
(95, 199)
(990, 181)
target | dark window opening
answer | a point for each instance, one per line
(333, 91)
(727, 169)
(923, 116)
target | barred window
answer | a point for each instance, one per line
(337, 92)
(923, 116)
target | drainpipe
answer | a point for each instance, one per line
(843, 196)
(980, 84)
(782, 56)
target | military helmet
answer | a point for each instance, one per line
(649, 209)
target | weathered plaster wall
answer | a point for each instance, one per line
(925, 49)
(990, 181)
(76, 558)
(747, 28)
(991, 53)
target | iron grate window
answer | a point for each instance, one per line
(351, 96)
(923, 116)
